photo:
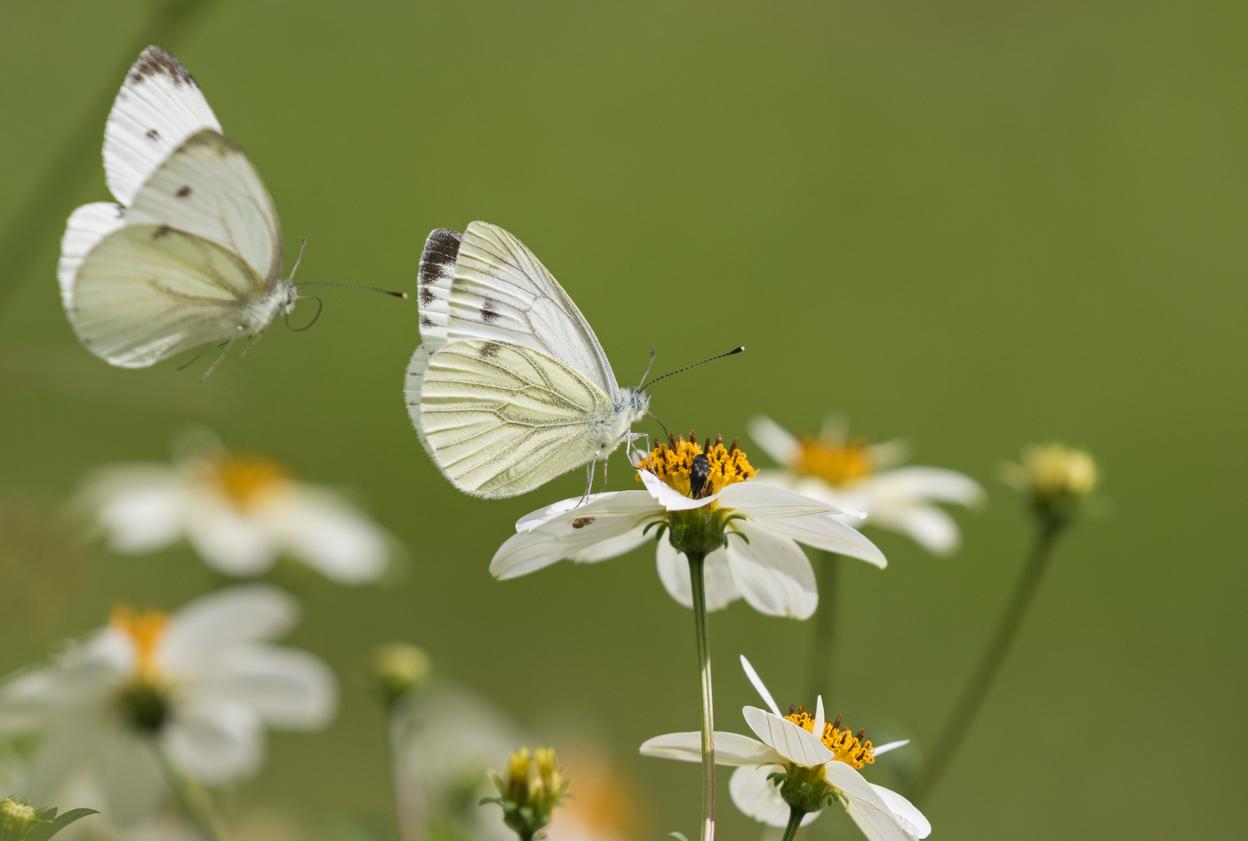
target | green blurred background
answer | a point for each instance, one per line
(971, 224)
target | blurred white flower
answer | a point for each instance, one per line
(818, 759)
(866, 477)
(239, 512)
(755, 527)
(197, 686)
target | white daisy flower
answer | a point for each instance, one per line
(197, 686)
(239, 512)
(700, 494)
(817, 762)
(868, 477)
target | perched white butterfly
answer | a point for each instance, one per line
(191, 251)
(510, 387)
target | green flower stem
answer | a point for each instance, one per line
(993, 658)
(823, 636)
(795, 823)
(193, 800)
(698, 585)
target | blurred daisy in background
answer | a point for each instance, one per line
(756, 528)
(865, 477)
(240, 513)
(817, 763)
(193, 690)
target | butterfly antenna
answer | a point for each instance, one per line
(733, 352)
(649, 368)
(400, 295)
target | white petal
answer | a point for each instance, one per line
(866, 807)
(730, 749)
(565, 535)
(796, 744)
(758, 797)
(890, 746)
(817, 729)
(933, 484)
(669, 498)
(768, 500)
(613, 547)
(761, 688)
(227, 618)
(826, 532)
(131, 782)
(541, 516)
(772, 573)
(329, 535)
(773, 439)
(716, 576)
(286, 688)
(926, 525)
(140, 507)
(913, 821)
(228, 540)
(215, 742)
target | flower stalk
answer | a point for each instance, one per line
(823, 634)
(697, 580)
(795, 822)
(193, 801)
(994, 656)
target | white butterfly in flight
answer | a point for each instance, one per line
(510, 387)
(190, 253)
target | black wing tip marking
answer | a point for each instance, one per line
(154, 61)
(441, 252)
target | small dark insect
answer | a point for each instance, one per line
(699, 473)
(184, 192)
(581, 522)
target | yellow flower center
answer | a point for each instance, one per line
(695, 470)
(853, 749)
(145, 630)
(836, 464)
(247, 482)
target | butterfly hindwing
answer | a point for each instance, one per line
(501, 419)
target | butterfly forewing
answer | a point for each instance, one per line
(158, 107)
(501, 419)
(209, 188)
(502, 292)
(148, 292)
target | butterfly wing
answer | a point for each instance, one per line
(503, 293)
(501, 419)
(86, 227)
(158, 107)
(147, 292)
(433, 300)
(209, 188)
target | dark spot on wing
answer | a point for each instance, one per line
(426, 295)
(161, 231)
(441, 252)
(152, 134)
(489, 350)
(184, 192)
(581, 522)
(156, 62)
(426, 321)
(488, 311)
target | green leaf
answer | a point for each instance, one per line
(45, 831)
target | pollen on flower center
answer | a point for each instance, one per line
(853, 749)
(246, 481)
(836, 464)
(698, 470)
(145, 630)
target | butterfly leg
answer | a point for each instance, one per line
(217, 361)
(247, 349)
(589, 481)
(188, 363)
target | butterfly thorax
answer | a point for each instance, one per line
(258, 313)
(631, 405)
